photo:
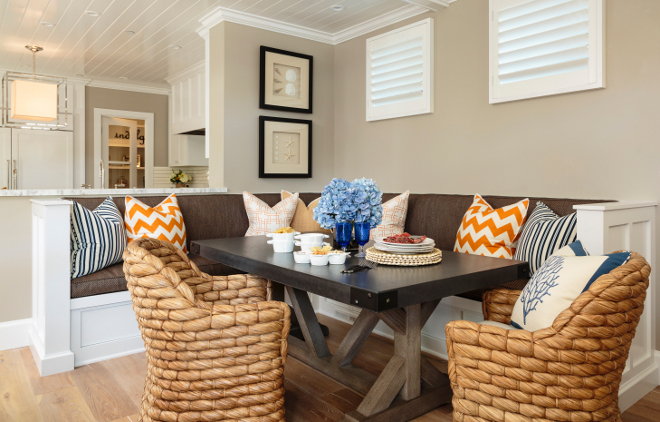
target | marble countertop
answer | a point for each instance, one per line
(102, 192)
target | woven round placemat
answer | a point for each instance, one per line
(387, 258)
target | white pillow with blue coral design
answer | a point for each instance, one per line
(563, 277)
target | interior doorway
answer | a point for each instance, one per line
(123, 149)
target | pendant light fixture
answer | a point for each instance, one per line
(32, 100)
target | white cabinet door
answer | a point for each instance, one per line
(5, 158)
(188, 150)
(42, 159)
(188, 104)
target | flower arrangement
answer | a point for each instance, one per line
(179, 177)
(343, 202)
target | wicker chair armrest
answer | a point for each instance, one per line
(497, 304)
(468, 343)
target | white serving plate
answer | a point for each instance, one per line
(426, 242)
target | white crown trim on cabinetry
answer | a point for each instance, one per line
(130, 87)
(222, 14)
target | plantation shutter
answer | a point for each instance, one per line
(545, 47)
(400, 72)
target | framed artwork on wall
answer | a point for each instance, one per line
(285, 148)
(285, 81)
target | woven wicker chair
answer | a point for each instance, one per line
(570, 371)
(215, 346)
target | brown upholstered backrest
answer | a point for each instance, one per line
(438, 216)
(435, 215)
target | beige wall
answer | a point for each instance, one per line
(129, 101)
(235, 100)
(594, 144)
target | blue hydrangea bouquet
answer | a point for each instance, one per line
(360, 201)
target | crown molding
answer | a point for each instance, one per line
(431, 5)
(375, 24)
(194, 70)
(129, 87)
(221, 14)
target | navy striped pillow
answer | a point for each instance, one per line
(98, 238)
(544, 234)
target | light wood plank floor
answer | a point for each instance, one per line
(110, 391)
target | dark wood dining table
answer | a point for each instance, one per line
(402, 297)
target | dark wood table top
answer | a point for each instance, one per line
(379, 289)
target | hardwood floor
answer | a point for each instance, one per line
(111, 391)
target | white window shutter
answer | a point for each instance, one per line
(400, 72)
(545, 47)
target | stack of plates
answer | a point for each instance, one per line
(406, 248)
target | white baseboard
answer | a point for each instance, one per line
(54, 363)
(631, 391)
(15, 334)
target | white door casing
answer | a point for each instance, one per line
(100, 153)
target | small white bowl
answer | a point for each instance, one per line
(337, 257)
(318, 259)
(301, 257)
(281, 247)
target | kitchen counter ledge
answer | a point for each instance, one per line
(104, 192)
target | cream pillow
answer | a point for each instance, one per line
(394, 217)
(561, 279)
(303, 220)
(264, 219)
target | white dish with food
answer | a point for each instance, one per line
(319, 260)
(301, 257)
(337, 258)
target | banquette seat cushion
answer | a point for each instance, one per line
(223, 215)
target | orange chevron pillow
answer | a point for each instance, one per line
(488, 232)
(164, 222)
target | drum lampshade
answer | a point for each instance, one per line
(32, 100)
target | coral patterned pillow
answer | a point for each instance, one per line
(488, 232)
(264, 219)
(164, 222)
(394, 217)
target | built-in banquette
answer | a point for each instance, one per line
(88, 319)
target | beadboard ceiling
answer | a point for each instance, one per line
(99, 47)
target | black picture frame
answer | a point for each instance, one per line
(262, 81)
(262, 125)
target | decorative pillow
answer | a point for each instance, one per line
(98, 238)
(303, 220)
(264, 219)
(544, 234)
(394, 217)
(164, 222)
(554, 287)
(489, 232)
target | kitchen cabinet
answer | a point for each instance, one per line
(36, 159)
(187, 150)
(188, 104)
(5, 158)
(41, 159)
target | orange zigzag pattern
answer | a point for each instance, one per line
(495, 233)
(164, 222)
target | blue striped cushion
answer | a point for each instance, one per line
(544, 234)
(98, 238)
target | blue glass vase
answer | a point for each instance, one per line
(362, 231)
(343, 234)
